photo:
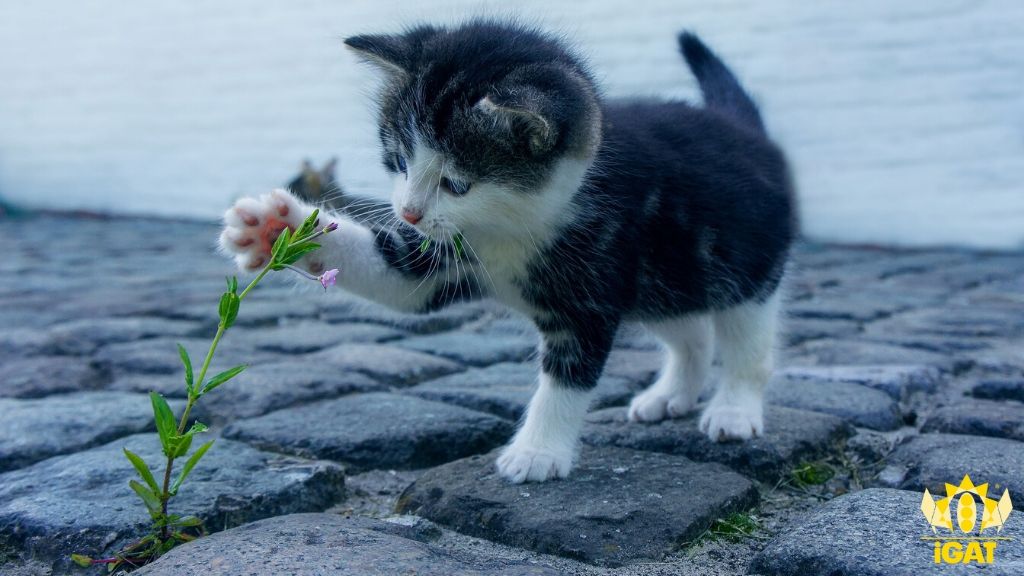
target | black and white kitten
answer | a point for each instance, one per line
(580, 213)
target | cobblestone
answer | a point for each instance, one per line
(854, 403)
(315, 544)
(474, 350)
(81, 502)
(931, 460)
(83, 337)
(281, 384)
(902, 369)
(868, 533)
(377, 430)
(895, 380)
(979, 417)
(505, 389)
(792, 437)
(38, 376)
(619, 506)
(34, 430)
(388, 364)
(1000, 389)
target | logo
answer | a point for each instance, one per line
(972, 544)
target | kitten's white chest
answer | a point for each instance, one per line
(503, 268)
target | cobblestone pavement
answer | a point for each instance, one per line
(361, 441)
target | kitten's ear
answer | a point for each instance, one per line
(328, 170)
(388, 52)
(521, 113)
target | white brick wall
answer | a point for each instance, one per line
(905, 120)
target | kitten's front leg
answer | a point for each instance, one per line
(381, 265)
(545, 445)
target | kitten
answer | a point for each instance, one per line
(580, 213)
(317, 186)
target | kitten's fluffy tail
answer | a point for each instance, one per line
(722, 91)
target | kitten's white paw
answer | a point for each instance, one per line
(253, 224)
(733, 421)
(654, 406)
(519, 464)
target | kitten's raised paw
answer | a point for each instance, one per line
(652, 406)
(741, 421)
(253, 224)
(519, 464)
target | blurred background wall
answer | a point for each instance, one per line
(904, 120)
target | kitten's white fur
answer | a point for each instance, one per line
(689, 346)
(744, 337)
(545, 445)
(746, 347)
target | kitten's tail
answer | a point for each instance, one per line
(721, 89)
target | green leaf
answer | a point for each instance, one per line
(232, 311)
(281, 244)
(307, 226)
(223, 377)
(222, 306)
(188, 522)
(457, 240)
(189, 465)
(181, 444)
(184, 442)
(142, 469)
(233, 285)
(165, 424)
(188, 365)
(81, 560)
(167, 545)
(149, 498)
(296, 252)
(425, 245)
(228, 308)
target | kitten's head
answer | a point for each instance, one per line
(482, 125)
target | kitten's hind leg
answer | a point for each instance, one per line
(745, 336)
(689, 346)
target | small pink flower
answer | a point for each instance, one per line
(327, 279)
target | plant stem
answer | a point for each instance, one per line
(264, 272)
(165, 495)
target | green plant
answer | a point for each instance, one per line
(812, 474)
(176, 436)
(734, 527)
(457, 245)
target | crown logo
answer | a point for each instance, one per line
(994, 513)
(975, 546)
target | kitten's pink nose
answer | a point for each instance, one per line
(411, 216)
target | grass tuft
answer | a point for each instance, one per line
(812, 474)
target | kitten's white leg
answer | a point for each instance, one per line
(252, 225)
(689, 346)
(545, 445)
(746, 345)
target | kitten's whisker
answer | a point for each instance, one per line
(483, 266)
(434, 263)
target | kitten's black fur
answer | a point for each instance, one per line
(685, 209)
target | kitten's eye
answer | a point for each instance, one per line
(402, 166)
(455, 187)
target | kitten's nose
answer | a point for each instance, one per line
(411, 216)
